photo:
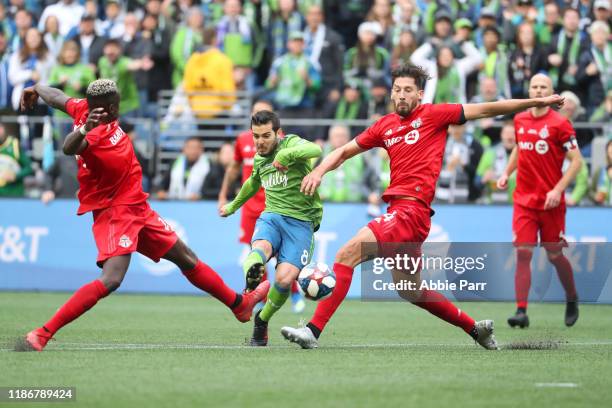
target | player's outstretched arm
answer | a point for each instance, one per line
(231, 174)
(331, 162)
(502, 181)
(473, 111)
(248, 190)
(52, 97)
(298, 150)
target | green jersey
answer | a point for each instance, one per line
(283, 194)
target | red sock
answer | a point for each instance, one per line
(203, 277)
(294, 287)
(566, 276)
(81, 301)
(326, 308)
(522, 278)
(438, 305)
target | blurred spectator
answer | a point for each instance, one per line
(379, 100)
(30, 65)
(601, 12)
(572, 109)
(495, 60)
(603, 113)
(351, 105)
(324, 49)
(67, 12)
(487, 18)
(448, 75)
(442, 28)
(595, 67)
(293, 78)
(214, 178)
(234, 36)
(114, 65)
(60, 179)
(52, 37)
(136, 47)
(492, 164)
(284, 22)
(185, 178)
(213, 11)
(112, 26)
(162, 11)
(158, 67)
(381, 13)
(209, 71)
(526, 60)
(602, 179)
(566, 48)
(406, 44)
(6, 88)
(346, 183)
(408, 20)
(456, 155)
(551, 25)
(523, 11)
(69, 74)
(92, 45)
(580, 187)
(14, 165)
(366, 61)
(345, 16)
(7, 25)
(23, 22)
(186, 41)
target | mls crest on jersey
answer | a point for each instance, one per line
(544, 132)
(416, 123)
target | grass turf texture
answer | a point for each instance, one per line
(133, 350)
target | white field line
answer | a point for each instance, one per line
(557, 385)
(146, 346)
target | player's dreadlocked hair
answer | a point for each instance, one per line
(102, 87)
(265, 116)
(415, 72)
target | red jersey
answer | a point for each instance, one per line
(416, 147)
(109, 173)
(542, 143)
(244, 152)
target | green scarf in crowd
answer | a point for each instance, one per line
(572, 58)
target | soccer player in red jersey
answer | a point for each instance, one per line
(110, 180)
(544, 138)
(244, 152)
(414, 136)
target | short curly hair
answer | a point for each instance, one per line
(419, 74)
(102, 87)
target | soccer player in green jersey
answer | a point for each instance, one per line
(285, 229)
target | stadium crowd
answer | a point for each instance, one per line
(325, 59)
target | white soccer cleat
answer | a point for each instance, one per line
(485, 336)
(302, 336)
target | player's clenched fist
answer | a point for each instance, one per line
(223, 211)
(28, 98)
(95, 118)
(310, 183)
(502, 181)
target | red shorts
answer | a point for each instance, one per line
(527, 222)
(406, 221)
(247, 225)
(125, 229)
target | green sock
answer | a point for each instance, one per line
(255, 256)
(276, 298)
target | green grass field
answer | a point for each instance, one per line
(179, 351)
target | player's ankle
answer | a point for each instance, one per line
(314, 329)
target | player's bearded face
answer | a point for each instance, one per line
(265, 139)
(405, 95)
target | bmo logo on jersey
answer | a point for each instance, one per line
(541, 146)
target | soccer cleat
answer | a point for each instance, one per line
(571, 313)
(302, 336)
(36, 340)
(485, 336)
(520, 319)
(244, 310)
(297, 302)
(260, 333)
(254, 276)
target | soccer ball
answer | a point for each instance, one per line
(316, 281)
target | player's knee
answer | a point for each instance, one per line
(348, 255)
(111, 282)
(552, 255)
(524, 254)
(284, 281)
